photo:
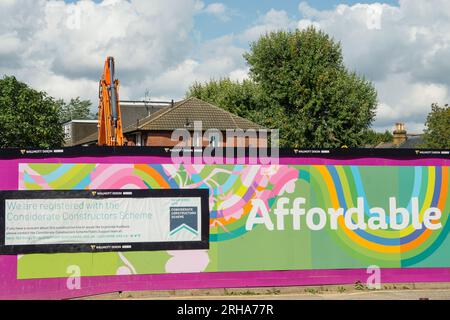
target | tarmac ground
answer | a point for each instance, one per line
(358, 291)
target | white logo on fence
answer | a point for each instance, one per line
(74, 279)
(374, 280)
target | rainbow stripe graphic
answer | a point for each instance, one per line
(232, 187)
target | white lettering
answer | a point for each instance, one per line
(258, 206)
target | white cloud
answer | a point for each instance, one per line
(406, 100)
(239, 74)
(216, 9)
(273, 20)
(10, 44)
(217, 58)
(61, 48)
(179, 77)
(403, 49)
(305, 23)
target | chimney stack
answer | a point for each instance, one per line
(399, 134)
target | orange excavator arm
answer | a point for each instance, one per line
(109, 117)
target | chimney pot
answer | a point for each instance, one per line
(400, 134)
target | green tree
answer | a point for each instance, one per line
(28, 118)
(76, 109)
(437, 128)
(244, 99)
(372, 138)
(323, 104)
(299, 85)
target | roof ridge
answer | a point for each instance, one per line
(197, 108)
(167, 110)
(246, 120)
(232, 115)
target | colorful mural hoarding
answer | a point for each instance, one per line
(68, 221)
(242, 242)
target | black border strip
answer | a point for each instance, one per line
(95, 194)
(343, 153)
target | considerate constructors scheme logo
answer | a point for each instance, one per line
(183, 218)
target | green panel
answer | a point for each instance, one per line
(233, 248)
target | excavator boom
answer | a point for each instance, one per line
(109, 116)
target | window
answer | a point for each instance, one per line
(68, 131)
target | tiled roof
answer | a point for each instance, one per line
(87, 140)
(412, 142)
(188, 111)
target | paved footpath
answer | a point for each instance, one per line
(370, 295)
(405, 291)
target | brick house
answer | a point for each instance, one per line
(76, 131)
(156, 128)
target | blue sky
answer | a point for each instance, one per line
(246, 12)
(164, 46)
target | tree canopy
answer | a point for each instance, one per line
(437, 128)
(374, 138)
(300, 85)
(28, 118)
(76, 109)
(245, 99)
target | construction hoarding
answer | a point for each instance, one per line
(313, 218)
(97, 221)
